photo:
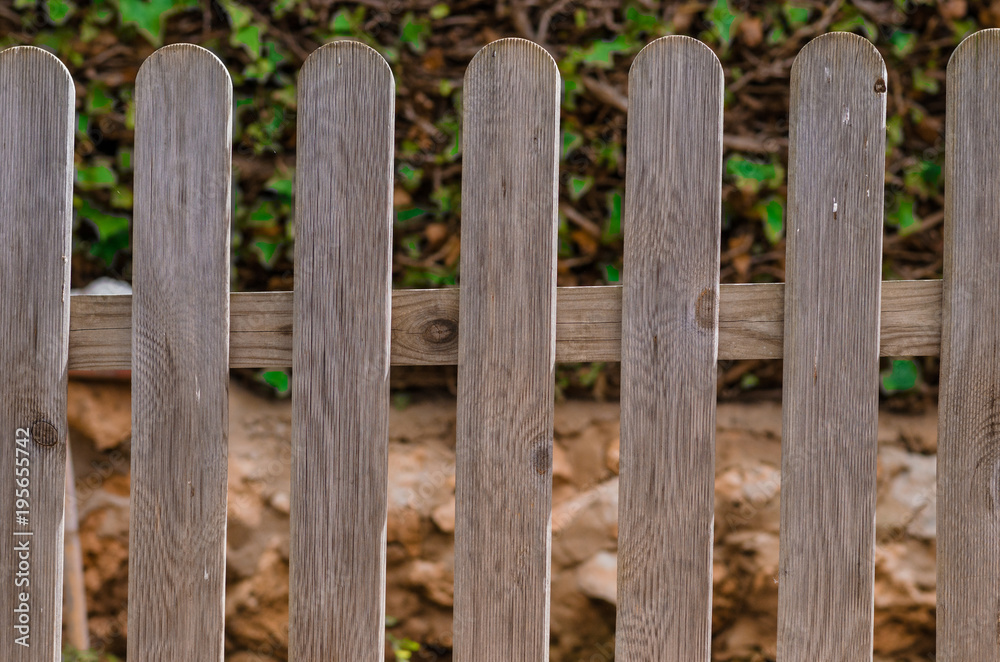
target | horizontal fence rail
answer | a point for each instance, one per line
(425, 325)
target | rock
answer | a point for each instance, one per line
(611, 455)
(444, 516)
(917, 433)
(562, 469)
(246, 656)
(598, 577)
(406, 527)
(281, 502)
(421, 523)
(585, 452)
(101, 411)
(585, 525)
(746, 497)
(437, 581)
(907, 502)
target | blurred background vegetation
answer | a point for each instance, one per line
(428, 44)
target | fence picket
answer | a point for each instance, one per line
(673, 199)
(340, 430)
(36, 219)
(506, 352)
(830, 404)
(180, 370)
(968, 552)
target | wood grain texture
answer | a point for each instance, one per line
(968, 556)
(830, 403)
(36, 219)
(506, 354)
(340, 426)
(670, 292)
(588, 325)
(180, 370)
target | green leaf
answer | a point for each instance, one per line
(282, 184)
(901, 376)
(571, 89)
(240, 16)
(59, 10)
(342, 24)
(124, 159)
(267, 250)
(148, 15)
(94, 177)
(249, 38)
(277, 379)
(773, 214)
(570, 141)
(414, 33)
(612, 273)
(796, 16)
(903, 217)
(902, 42)
(930, 172)
(411, 176)
(404, 215)
(98, 100)
(602, 53)
(112, 232)
(640, 21)
(439, 11)
(925, 83)
(578, 186)
(613, 229)
(752, 176)
(722, 18)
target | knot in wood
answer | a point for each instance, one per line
(44, 433)
(440, 331)
(541, 458)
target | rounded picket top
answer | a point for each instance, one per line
(983, 44)
(696, 51)
(37, 107)
(196, 65)
(350, 52)
(841, 47)
(526, 55)
(36, 61)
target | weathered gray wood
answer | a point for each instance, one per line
(830, 409)
(506, 354)
(425, 325)
(968, 552)
(36, 220)
(340, 428)
(180, 370)
(670, 293)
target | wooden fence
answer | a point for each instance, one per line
(506, 327)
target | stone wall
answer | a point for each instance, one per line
(584, 526)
